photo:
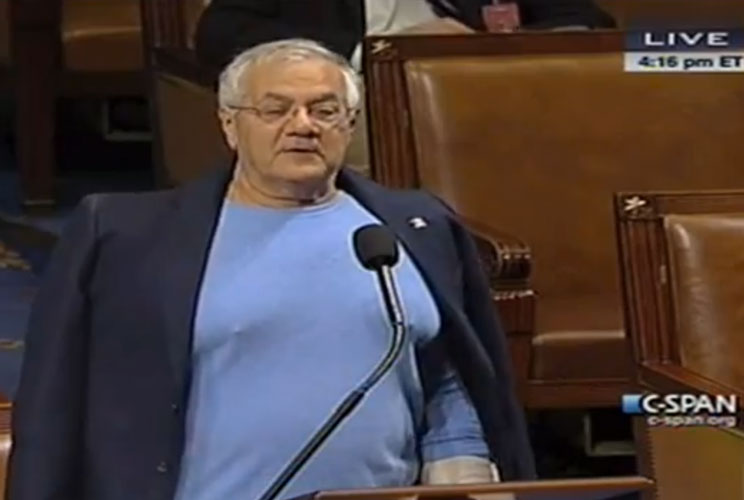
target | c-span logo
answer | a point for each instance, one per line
(683, 410)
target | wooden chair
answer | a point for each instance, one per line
(187, 138)
(531, 134)
(683, 289)
(68, 48)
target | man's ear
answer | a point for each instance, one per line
(229, 127)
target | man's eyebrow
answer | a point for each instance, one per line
(328, 96)
(276, 97)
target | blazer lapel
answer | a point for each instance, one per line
(428, 250)
(422, 242)
(179, 261)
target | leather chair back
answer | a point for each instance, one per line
(535, 143)
(102, 35)
(706, 271)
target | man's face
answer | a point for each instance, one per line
(296, 127)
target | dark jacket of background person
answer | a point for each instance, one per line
(228, 26)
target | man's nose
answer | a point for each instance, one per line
(300, 121)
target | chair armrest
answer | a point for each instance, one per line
(182, 63)
(669, 378)
(506, 259)
(507, 262)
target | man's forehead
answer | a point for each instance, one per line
(290, 77)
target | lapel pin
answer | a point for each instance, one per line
(417, 222)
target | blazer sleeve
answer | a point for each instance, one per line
(515, 452)
(48, 409)
(549, 14)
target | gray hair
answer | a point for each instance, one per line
(295, 49)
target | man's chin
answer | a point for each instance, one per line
(307, 168)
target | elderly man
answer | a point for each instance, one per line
(188, 342)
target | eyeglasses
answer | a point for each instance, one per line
(325, 114)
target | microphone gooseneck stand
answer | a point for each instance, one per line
(347, 406)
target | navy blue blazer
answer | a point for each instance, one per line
(99, 413)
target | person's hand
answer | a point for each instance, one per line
(459, 470)
(464, 470)
(440, 26)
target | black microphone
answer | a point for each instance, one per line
(376, 249)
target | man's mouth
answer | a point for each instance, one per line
(301, 150)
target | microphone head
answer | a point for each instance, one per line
(375, 246)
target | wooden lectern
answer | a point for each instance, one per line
(568, 489)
